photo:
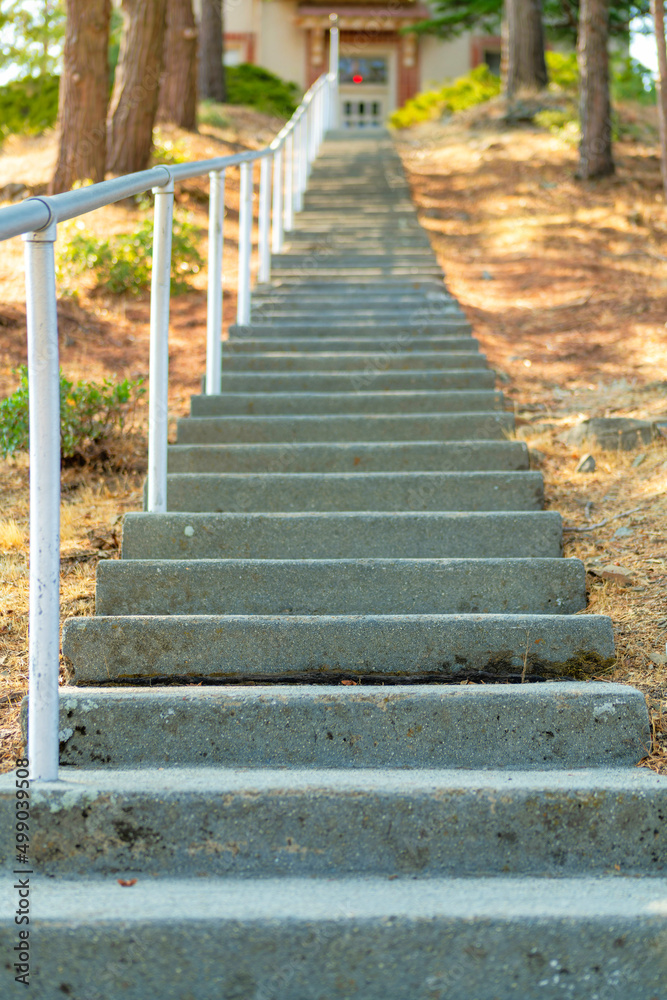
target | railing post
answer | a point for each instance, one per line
(216, 215)
(334, 58)
(158, 401)
(289, 182)
(245, 245)
(297, 196)
(44, 405)
(277, 211)
(264, 272)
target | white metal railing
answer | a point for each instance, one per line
(284, 168)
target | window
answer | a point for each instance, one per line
(360, 70)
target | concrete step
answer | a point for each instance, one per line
(359, 938)
(362, 535)
(560, 725)
(351, 344)
(340, 362)
(408, 456)
(319, 327)
(340, 586)
(320, 649)
(420, 383)
(367, 428)
(372, 491)
(298, 401)
(214, 821)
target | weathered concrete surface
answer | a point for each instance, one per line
(339, 361)
(356, 938)
(284, 403)
(340, 586)
(369, 427)
(444, 343)
(303, 491)
(342, 535)
(351, 328)
(296, 822)
(557, 725)
(321, 648)
(399, 456)
(613, 433)
(370, 379)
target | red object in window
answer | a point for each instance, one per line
(357, 79)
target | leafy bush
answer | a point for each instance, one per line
(632, 81)
(257, 88)
(29, 106)
(89, 413)
(122, 263)
(564, 124)
(476, 87)
(563, 71)
(168, 151)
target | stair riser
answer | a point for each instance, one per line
(476, 456)
(282, 403)
(435, 427)
(359, 383)
(331, 587)
(349, 958)
(324, 649)
(426, 726)
(367, 825)
(376, 491)
(360, 345)
(394, 331)
(363, 363)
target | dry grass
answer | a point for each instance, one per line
(566, 286)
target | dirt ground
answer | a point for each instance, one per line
(566, 287)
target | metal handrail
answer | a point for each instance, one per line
(285, 165)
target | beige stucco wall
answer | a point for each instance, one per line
(440, 60)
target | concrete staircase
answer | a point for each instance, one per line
(324, 811)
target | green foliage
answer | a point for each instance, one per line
(451, 18)
(257, 88)
(122, 263)
(211, 113)
(168, 151)
(563, 70)
(31, 35)
(476, 87)
(28, 106)
(632, 81)
(89, 412)
(564, 124)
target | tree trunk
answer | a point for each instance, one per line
(84, 95)
(178, 85)
(658, 12)
(595, 155)
(526, 67)
(211, 68)
(135, 92)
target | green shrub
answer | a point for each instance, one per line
(257, 88)
(563, 71)
(29, 106)
(632, 81)
(122, 263)
(563, 123)
(89, 413)
(476, 87)
(168, 151)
